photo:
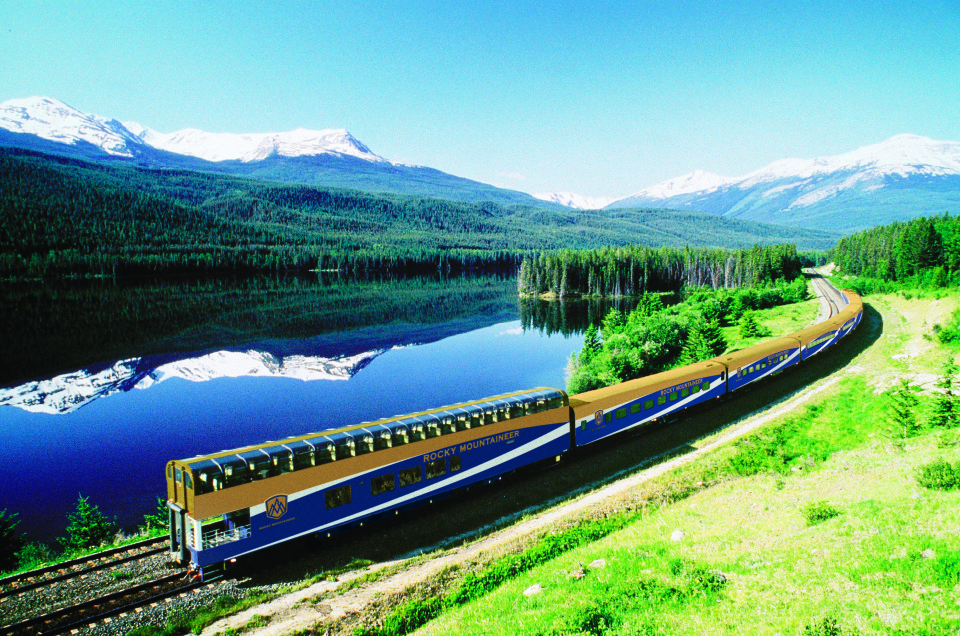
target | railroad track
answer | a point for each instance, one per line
(830, 294)
(100, 609)
(34, 579)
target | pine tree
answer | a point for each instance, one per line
(11, 541)
(945, 409)
(696, 348)
(901, 412)
(88, 527)
(749, 326)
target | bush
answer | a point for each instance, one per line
(939, 475)
(818, 512)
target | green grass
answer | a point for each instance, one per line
(778, 321)
(815, 524)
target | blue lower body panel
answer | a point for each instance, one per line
(335, 505)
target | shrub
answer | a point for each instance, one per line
(939, 475)
(826, 626)
(818, 512)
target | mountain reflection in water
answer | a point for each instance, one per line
(220, 364)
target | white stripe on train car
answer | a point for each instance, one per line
(560, 431)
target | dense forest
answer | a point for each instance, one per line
(924, 249)
(632, 271)
(68, 217)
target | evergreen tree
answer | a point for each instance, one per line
(11, 541)
(696, 348)
(945, 410)
(713, 337)
(87, 527)
(591, 344)
(750, 326)
(901, 412)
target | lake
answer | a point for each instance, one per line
(103, 383)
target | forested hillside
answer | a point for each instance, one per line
(62, 216)
(631, 271)
(926, 248)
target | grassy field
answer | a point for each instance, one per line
(815, 524)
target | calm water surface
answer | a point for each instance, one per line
(203, 381)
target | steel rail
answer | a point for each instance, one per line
(42, 624)
(58, 568)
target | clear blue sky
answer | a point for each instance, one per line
(532, 95)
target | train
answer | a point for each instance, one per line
(229, 504)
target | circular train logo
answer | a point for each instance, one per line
(598, 417)
(276, 506)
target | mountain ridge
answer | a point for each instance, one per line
(903, 177)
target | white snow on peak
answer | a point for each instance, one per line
(573, 200)
(696, 181)
(255, 146)
(53, 120)
(901, 155)
(69, 392)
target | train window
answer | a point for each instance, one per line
(555, 402)
(401, 436)
(418, 431)
(448, 424)
(540, 405)
(489, 415)
(607, 418)
(382, 484)
(327, 452)
(695, 388)
(383, 440)
(661, 400)
(476, 416)
(433, 429)
(436, 469)
(634, 408)
(337, 497)
(364, 443)
(170, 471)
(674, 396)
(454, 463)
(684, 392)
(179, 476)
(410, 476)
(621, 413)
(583, 425)
(187, 480)
(282, 461)
(648, 405)
(346, 447)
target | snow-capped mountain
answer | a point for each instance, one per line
(68, 392)
(576, 201)
(254, 146)
(326, 158)
(53, 120)
(901, 178)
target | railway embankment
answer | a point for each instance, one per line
(808, 517)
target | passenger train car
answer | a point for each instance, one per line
(231, 503)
